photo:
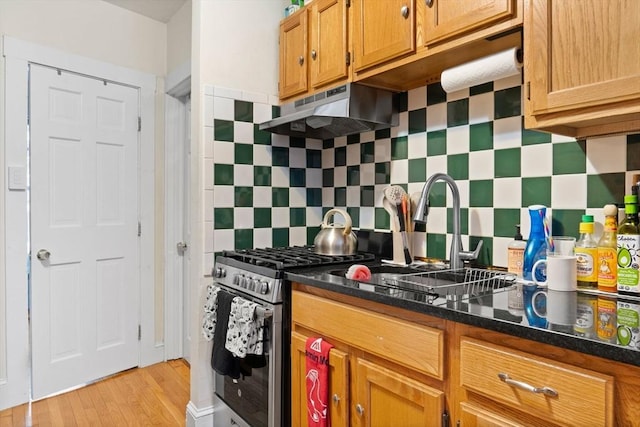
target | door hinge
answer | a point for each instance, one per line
(529, 90)
(139, 332)
(347, 58)
(139, 124)
(139, 229)
(348, 3)
(445, 419)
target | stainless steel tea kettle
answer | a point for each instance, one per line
(335, 239)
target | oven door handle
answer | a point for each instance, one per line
(264, 313)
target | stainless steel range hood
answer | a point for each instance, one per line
(343, 110)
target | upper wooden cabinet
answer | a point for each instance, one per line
(582, 66)
(382, 31)
(392, 44)
(293, 55)
(328, 48)
(313, 48)
(401, 45)
(447, 19)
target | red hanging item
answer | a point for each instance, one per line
(317, 367)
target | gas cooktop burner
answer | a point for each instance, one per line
(291, 257)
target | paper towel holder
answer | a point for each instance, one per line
(495, 66)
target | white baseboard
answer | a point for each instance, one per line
(199, 417)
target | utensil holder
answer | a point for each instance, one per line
(398, 246)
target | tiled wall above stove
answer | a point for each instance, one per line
(261, 190)
(270, 190)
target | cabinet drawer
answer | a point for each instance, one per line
(415, 346)
(583, 397)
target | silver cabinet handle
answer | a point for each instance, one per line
(547, 391)
(182, 247)
(404, 11)
(314, 54)
(43, 254)
(336, 399)
(301, 60)
(429, 3)
(360, 409)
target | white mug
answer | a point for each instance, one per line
(562, 307)
(561, 272)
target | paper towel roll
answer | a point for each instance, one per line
(493, 67)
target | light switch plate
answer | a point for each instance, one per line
(17, 178)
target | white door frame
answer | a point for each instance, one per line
(178, 85)
(18, 54)
(175, 180)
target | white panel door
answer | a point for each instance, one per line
(84, 233)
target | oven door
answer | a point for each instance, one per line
(256, 396)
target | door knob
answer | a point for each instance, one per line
(182, 247)
(43, 254)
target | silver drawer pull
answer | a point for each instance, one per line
(336, 399)
(547, 391)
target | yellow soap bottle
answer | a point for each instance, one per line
(608, 251)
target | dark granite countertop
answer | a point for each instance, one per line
(490, 310)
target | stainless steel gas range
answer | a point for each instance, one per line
(261, 398)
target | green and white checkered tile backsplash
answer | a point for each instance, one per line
(265, 190)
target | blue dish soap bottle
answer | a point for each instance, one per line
(536, 249)
(537, 243)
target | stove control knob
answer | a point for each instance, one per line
(244, 281)
(220, 272)
(264, 288)
(236, 279)
(255, 285)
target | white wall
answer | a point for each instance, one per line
(235, 46)
(91, 29)
(240, 44)
(179, 39)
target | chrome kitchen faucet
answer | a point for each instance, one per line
(457, 254)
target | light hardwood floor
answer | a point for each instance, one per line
(155, 395)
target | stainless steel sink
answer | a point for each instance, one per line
(428, 284)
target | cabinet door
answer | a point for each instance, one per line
(382, 31)
(293, 55)
(473, 416)
(446, 19)
(328, 49)
(580, 54)
(386, 398)
(338, 384)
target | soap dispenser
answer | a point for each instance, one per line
(515, 253)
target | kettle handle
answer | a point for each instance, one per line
(347, 225)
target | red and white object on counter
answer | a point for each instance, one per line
(358, 272)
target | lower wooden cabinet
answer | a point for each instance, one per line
(559, 393)
(338, 385)
(386, 398)
(365, 390)
(393, 370)
(474, 415)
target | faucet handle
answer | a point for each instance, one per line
(469, 255)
